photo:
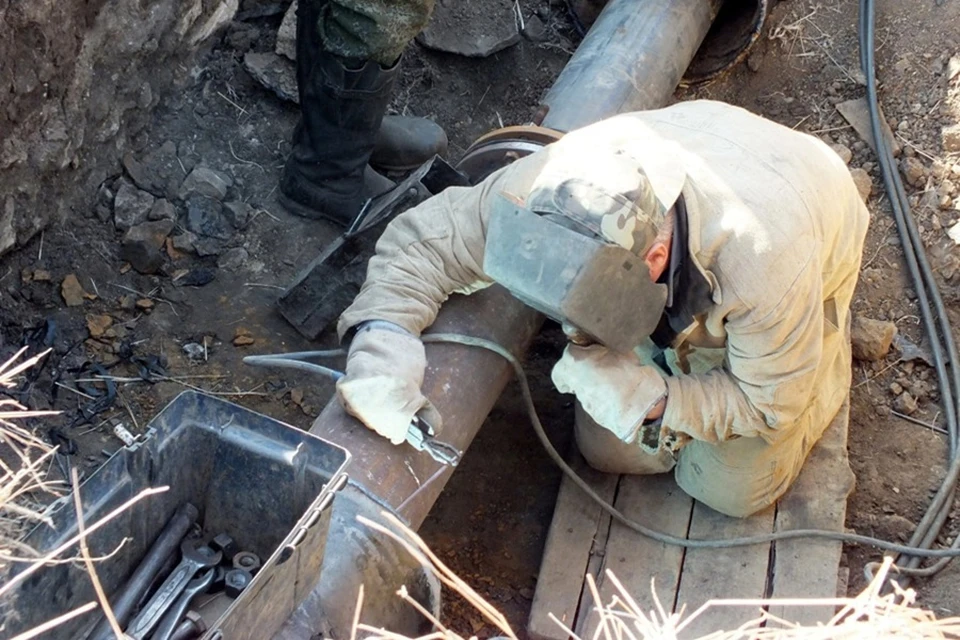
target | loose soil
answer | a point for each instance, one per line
(491, 522)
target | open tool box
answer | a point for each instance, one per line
(267, 484)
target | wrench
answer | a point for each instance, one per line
(172, 618)
(194, 559)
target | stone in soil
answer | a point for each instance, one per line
(142, 245)
(199, 277)
(206, 219)
(905, 404)
(242, 337)
(184, 242)
(159, 171)
(467, 29)
(72, 292)
(843, 151)
(871, 339)
(951, 138)
(913, 171)
(274, 72)
(131, 206)
(239, 213)
(287, 34)
(162, 209)
(863, 181)
(233, 259)
(97, 325)
(534, 29)
(205, 182)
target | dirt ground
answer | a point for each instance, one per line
(491, 522)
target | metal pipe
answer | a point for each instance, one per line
(632, 58)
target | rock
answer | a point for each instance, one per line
(755, 59)
(296, 396)
(905, 403)
(159, 172)
(274, 72)
(233, 259)
(534, 29)
(950, 137)
(205, 182)
(871, 339)
(287, 34)
(198, 277)
(162, 209)
(896, 388)
(128, 303)
(953, 68)
(206, 219)
(863, 181)
(913, 171)
(97, 325)
(142, 245)
(131, 206)
(242, 337)
(843, 151)
(184, 242)
(239, 214)
(468, 29)
(145, 304)
(72, 292)
(194, 351)
(40, 275)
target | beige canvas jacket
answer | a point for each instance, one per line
(776, 226)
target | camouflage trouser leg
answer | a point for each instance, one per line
(375, 30)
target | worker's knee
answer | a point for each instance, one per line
(605, 452)
(738, 478)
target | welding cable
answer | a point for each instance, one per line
(937, 513)
(298, 361)
(648, 532)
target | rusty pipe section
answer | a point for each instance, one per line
(632, 59)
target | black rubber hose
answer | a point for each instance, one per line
(936, 515)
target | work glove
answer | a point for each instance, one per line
(381, 388)
(615, 389)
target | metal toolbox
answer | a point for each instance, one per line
(268, 484)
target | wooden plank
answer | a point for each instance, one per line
(635, 560)
(817, 500)
(740, 572)
(573, 531)
(594, 566)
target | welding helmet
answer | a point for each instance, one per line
(574, 248)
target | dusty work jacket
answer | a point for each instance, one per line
(775, 227)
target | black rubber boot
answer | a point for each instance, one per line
(341, 112)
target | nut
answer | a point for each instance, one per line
(225, 545)
(246, 560)
(219, 580)
(236, 581)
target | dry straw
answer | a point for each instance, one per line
(869, 615)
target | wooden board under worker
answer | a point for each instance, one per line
(583, 541)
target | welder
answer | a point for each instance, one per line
(700, 259)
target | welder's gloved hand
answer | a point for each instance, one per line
(615, 389)
(381, 388)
